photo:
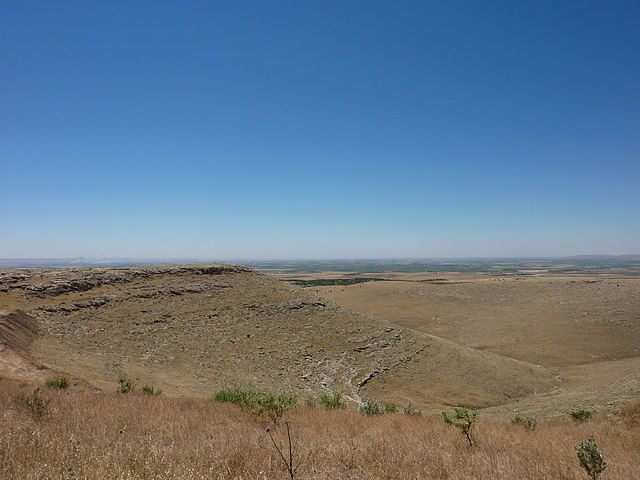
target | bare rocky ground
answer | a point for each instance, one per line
(192, 329)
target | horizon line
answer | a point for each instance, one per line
(306, 259)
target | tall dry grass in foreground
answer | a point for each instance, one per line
(110, 436)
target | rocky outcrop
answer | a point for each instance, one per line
(87, 303)
(57, 281)
(13, 279)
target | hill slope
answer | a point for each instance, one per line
(549, 320)
(193, 329)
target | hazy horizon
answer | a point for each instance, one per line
(81, 259)
(319, 130)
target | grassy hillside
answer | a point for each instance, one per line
(193, 329)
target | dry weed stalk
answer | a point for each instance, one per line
(288, 463)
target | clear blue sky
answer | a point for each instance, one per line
(319, 129)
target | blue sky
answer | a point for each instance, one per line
(319, 129)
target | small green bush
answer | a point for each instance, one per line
(126, 384)
(411, 410)
(529, 423)
(581, 415)
(62, 383)
(371, 407)
(466, 417)
(235, 396)
(34, 404)
(151, 390)
(390, 407)
(331, 400)
(258, 400)
(244, 397)
(590, 458)
(276, 406)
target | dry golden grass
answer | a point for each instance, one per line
(108, 436)
(631, 413)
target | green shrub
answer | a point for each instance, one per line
(243, 397)
(62, 383)
(390, 407)
(276, 406)
(466, 417)
(34, 404)
(126, 384)
(411, 410)
(529, 423)
(151, 390)
(331, 400)
(257, 400)
(590, 458)
(371, 407)
(581, 415)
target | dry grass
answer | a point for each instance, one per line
(548, 320)
(585, 328)
(108, 436)
(631, 414)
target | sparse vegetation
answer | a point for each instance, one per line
(412, 411)
(581, 415)
(151, 390)
(371, 407)
(125, 384)
(331, 400)
(61, 382)
(390, 407)
(34, 404)
(529, 423)
(463, 419)
(590, 458)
